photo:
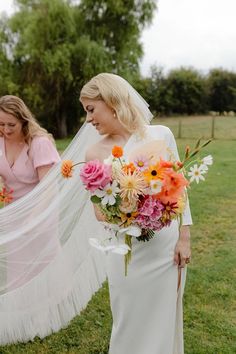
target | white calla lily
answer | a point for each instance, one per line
(132, 230)
(121, 249)
(94, 242)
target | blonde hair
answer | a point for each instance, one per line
(30, 127)
(114, 91)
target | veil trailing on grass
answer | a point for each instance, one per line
(48, 271)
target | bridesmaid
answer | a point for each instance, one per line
(147, 304)
(27, 151)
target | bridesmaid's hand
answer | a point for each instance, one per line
(182, 249)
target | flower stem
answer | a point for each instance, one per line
(78, 163)
(128, 241)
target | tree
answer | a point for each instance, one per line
(187, 91)
(6, 83)
(117, 26)
(181, 91)
(55, 46)
(222, 90)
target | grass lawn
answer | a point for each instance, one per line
(209, 301)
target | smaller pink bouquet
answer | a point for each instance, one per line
(5, 195)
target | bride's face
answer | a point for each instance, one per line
(101, 116)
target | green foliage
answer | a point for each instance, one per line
(209, 322)
(187, 91)
(181, 91)
(222, 90)
(116, 25)
(55, 46)
(94, 199)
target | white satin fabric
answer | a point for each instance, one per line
(146, 307)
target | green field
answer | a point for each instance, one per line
(209, 301)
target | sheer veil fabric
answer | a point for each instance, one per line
(48, 271)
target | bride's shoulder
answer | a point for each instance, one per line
(159, 130)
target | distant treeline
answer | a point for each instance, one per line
(50, 48)
(187, 91)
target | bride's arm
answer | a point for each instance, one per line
(183, 247)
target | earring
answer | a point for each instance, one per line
(114, 115)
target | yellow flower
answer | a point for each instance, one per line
(128, 218)
(154, 172)
(131, 185)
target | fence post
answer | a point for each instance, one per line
(213, 127)
(180, 129)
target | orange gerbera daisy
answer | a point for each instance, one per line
(117, 151)
(66, 168)
(154, 172)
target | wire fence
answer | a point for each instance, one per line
(193, 127)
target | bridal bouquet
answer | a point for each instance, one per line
(5, 196)
(140, 196)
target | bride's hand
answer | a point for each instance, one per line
(182, 249)
(99, 215)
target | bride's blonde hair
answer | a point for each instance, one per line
(30, 127)
(113, 90)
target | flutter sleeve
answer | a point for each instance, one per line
(43, 152)
(172, 149)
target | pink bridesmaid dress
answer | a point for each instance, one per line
(22, 177)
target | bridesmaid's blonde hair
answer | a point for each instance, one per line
(30, 127)
(113, 90)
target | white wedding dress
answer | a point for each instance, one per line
(57, 279)
(146, 306)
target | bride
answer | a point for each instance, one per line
(147, 304)
(148, 295)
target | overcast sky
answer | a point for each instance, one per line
(198, 33)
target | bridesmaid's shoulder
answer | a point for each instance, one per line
(40, 139)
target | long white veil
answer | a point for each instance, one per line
(48, 272)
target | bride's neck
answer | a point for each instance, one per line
(119, 139)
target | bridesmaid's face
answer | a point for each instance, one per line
(101, 116)
(10, 127)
